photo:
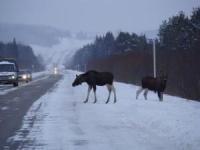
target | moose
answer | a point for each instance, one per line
(156, 84)
(93, 79)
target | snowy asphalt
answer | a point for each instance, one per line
(15, 102)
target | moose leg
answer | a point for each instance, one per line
(145, 94)
(109, 90)
(138, 92)
(114, 91)
(95, 97)
(160, 96)
(88, 94)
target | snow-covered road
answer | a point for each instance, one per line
(60, 120)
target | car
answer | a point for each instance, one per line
(25, 75)
(55, 70)
(9, 71)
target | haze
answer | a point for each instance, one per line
(94, 16)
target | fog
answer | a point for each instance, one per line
(95, 16)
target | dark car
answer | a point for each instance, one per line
(8, 72)
(25, 75)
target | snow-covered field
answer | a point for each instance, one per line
(60, 121)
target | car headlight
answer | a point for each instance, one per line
(55, 70)
(24, 76)
(12, 77)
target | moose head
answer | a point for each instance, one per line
(78, 80)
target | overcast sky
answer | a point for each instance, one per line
(94, 15)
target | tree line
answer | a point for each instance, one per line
(23, 54)
(107, 45)
(129, 56)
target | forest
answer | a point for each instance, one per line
(23, 54)
(129, 56)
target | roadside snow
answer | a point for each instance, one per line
(60, 120)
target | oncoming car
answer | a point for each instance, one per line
(55, 70)
(25, 75)
(8, 72)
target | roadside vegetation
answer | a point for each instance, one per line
(129, 56)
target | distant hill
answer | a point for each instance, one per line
(32, 34)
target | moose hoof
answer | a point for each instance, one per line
(107, 102)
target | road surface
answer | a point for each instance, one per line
(15, 102)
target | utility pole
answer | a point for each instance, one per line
(85, 67)
(154, 58)
(78, 67)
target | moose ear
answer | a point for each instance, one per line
(76, 75)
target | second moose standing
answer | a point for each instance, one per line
(157, 84)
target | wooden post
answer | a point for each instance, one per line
(154, 58)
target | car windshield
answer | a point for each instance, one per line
(7, 68)
(24, 72)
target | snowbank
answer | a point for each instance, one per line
(60, 120)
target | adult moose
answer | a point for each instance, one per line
(94, 78)
(157, 84)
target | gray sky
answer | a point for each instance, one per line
(94, 15)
